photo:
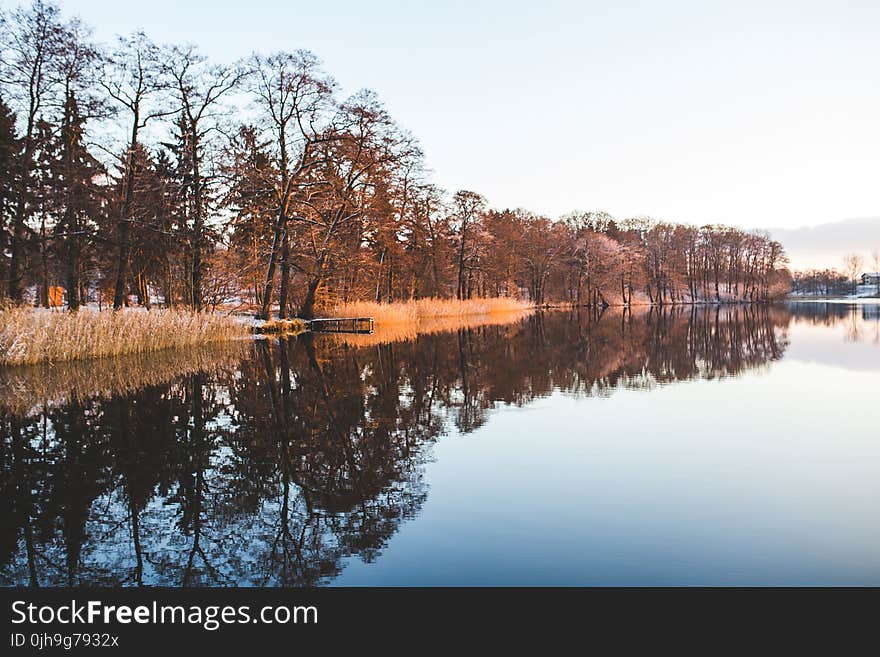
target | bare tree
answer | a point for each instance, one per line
(295, 100)
(875, 262)
(199, 88)
(133, 79)
(852, 265)
(362, 145)
(467, 207)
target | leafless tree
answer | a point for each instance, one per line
(199, 88)
(467, 208)
(852, 265)
(875, 262)
(133, 78)
(294, 98)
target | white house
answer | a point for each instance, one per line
(869, 285)
(871, 278)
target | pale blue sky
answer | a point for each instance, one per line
(758, 114)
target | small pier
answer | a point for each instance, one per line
(342, 325)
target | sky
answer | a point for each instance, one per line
(761, 114)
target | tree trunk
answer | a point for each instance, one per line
(379, 277)
(460, 291)
(119, 292)
(277, 236)
(284, 287)
(73, 282)
(44, 265)
(121, 266)
(71, 216)
(198, 221)
(307, 310)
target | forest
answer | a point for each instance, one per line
(144, 174)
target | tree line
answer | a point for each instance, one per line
(832, 281)
(821, 282)
(141, 173)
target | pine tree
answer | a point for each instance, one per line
(251, 199)
(79, 198)
(8, 168)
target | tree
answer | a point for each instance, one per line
(76, 190)
(8, 170)
(294, 98)
(250, 196)
(468, 208)
(875, 261)
(852, 265)
(429, 240)
(133, 79)
(30, 45)
(363, 143)
(199, 88)
(307, 199)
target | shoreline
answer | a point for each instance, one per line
(38, 336)
(857, 301)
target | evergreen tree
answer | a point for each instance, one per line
(8, 169)
(80, 198)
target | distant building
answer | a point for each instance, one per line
(871, 278)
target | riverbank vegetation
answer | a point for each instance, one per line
(258, 185)
(281, 326)
(423, 311)
(29, 336)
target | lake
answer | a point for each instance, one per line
(688, 446)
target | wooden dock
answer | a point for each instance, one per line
(342, 325)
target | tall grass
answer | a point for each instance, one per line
(29, 336)
(421, 311)
(282, 326)
(385, 333)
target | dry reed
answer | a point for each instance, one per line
(29, 336)
(282, 326)
(420, 311)
(385, 333)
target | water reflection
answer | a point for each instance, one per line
(274, 469)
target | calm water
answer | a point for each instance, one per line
(731, 446)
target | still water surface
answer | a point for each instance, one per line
(714, 446)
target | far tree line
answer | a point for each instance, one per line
(835, 282)
(147, 174)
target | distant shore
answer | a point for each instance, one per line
(840, 300)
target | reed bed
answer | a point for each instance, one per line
(29, 336)
(422, 311)
(282, 326)
(29, 389)
(399, 332)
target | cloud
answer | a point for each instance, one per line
(825, 245)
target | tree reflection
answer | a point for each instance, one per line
(312, 450)
(860, 322)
